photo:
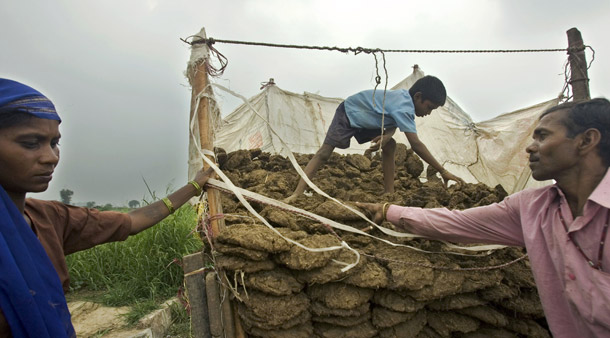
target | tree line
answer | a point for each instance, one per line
(66, 198)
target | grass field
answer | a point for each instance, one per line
(141, 272)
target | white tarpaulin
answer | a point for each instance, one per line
(301, 120)
(491, 152)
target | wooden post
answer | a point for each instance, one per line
(579, 79)
(199, 83)
(227, 313)
(239, 330)
(198, 300)
(213, 294)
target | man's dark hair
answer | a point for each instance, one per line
(431, 89)
(583, 115)
(10, 117)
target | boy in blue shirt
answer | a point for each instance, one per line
(361, 117)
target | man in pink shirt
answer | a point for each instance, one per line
(563, 226)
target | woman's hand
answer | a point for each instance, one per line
(202, 176)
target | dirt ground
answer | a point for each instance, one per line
(395, 290)
(94, 320)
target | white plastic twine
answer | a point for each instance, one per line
(238, 192)
(326, 221)
(286, 150)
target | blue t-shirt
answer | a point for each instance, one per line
(398, 109)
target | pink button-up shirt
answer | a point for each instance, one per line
(574, 295)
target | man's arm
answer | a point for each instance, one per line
(422, 151)
(498, 223)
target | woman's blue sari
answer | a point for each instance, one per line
(31, 295)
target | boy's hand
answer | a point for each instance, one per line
(447, 176)
(375, 143)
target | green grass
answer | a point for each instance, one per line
(140, 272)
(181, 322)
(139, 310)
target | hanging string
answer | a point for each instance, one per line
(210, 68)
(566, 93)
(385, 89)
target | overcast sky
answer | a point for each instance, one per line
(115, 69)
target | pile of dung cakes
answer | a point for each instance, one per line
(284, 290)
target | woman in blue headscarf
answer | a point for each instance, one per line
(35, 235)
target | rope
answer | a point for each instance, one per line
(358, 50)
(212, 70)
(385, 89)
(209, 68)
(566, 94)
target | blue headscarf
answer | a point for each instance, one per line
(31, 295)
(17, 96)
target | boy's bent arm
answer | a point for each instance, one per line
(422, 151)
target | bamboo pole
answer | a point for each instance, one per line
(579, 79)
(200, 107)
(199, 84)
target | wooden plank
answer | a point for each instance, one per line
(214, 310)
(227, 313)
(195, 289)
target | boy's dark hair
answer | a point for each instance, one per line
(584, 115)
(10, 117)
(431, 89)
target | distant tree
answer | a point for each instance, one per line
(66, 195)
(134, 204)
(90, 204)
(107, 206)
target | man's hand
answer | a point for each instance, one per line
(447, 176)
(374, 209)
